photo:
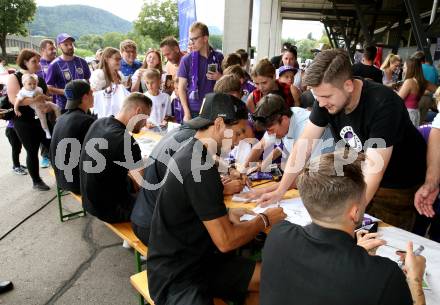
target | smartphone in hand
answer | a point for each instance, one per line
(212, 68)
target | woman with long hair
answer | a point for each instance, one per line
(152, 60)
(289, 58)
(107, 72)
(413, 88)
(29, 129)
(106, 82)
(390, 68)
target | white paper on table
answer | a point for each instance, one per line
(294, 208)
(238, 198)
(146, 145)
(172, 125)
(397, 239)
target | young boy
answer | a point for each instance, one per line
(161, 109)
(31, 90)
(286, 74)
(176, 106)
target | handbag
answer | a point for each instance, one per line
(6, 108)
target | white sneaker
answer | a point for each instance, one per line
(126, 245)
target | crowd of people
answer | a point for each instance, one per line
(234, 119)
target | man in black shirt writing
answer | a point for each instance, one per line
(321, 262)
(109, 153)
(191, 230)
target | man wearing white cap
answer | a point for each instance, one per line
(65, 68)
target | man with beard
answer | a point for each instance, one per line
(65, 68)
(109, 153)
(321, 263)
(170, 49)
(364, 116)
(48, 52)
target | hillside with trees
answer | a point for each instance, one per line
(77, 20)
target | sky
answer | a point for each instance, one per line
(210, 12)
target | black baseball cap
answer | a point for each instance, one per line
(216, 105)
(74, 92)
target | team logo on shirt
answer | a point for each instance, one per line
(351, 138)
(79, 70)
(67, 75)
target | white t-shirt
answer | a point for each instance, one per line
(23, 93)
(109, 102)
(161, 107)
(97, 79)
(298, 121)
(436, 121)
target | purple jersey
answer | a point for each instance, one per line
(204, 85)
(248, 87)
(61, 72)
(44, 67)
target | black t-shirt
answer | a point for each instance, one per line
(180, 246)
(367, 71)
(382, 114)
(314, 265)
(106, 188)
(155, 171)
(27, 113)
(73, 124)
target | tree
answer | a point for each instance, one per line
(158, 19)
(91, 42)
(14, 14)
(304, 46)
(324, 38)
(216, 41)
(113, 39)
(310, 36)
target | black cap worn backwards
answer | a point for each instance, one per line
(217, 105)
(74, 92)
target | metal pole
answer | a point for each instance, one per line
(364, 27)
(419, 34)
(434, 11)
(342, 27)
(328, 35)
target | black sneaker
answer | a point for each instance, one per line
(19, 170)
(5, 286)
(41, 186)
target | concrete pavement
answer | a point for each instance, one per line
(76, 262)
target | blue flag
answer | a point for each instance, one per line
(187, 16)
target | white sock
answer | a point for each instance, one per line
(48, 136)
(126, 245)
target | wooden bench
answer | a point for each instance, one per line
(140, 283)
(124, 231)
(60, 194)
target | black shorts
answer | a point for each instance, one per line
(227, 277)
